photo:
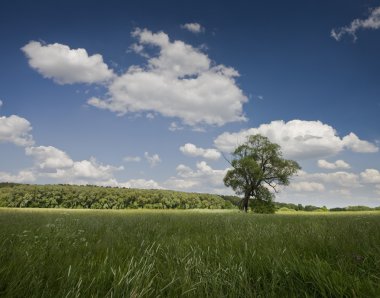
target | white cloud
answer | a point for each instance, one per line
(141, 183)
(192, 150)
(49, 157)
(377, 190)
(341, 192)
(132, 159)
(372, 22)
(193, 27)
(178, 183)
(66, 66)
(340, 178)
(298, 139)
(21, 177)
(339, 164)
(133, 183)
(179, 82)
(138, 49)
(49, 161)
(306, 186)
(203, 179)
(370, 176)
(16, 130)
(174, 127)
(1, 103)
(92, 169)
(86, 169)
(153, 160)
(323, 188)
(54, 163)
(352, 142)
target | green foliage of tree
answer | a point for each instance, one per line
(256, 166)
(262, 206)
(311, 208)
(338, 209)
(323, 209)
(358, 208)
(286, 209)
(355, 208)
(96, 197)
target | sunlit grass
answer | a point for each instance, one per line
(145, 253)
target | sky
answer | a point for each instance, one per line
(154, 94)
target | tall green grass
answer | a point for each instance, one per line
(71, 253)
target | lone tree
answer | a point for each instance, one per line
(258, 166)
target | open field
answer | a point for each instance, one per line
(135, 253)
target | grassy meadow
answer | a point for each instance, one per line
(139, 253)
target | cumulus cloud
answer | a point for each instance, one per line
(340, 178)
(194, 151)
(352, 142)
(370, 176)
(85, 169)
(306, 186)
(178, 183)
(179, 82)
(49, 157)
(66, 66)
(153, 160)
(133, 183)
(193, 27)
(204, 178)
(141, 183)
(16, 130)
(49, 161)
(298, 139)
(138, 49)
(320, 188)
(54, 163)
(339, 164)
(372, 22)
(21, 177)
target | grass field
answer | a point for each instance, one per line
(72, 253)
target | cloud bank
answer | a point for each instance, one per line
(298, 139)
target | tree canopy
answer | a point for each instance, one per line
(258, 169)
(96, 197)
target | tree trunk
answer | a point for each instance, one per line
(245, 202)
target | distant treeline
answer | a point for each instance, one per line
(300, 207)
(97, 197)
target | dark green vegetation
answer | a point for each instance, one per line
(84, 253)
(95, 197)
(258, 167)
(300, 207)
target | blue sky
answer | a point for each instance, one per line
(149, 94)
